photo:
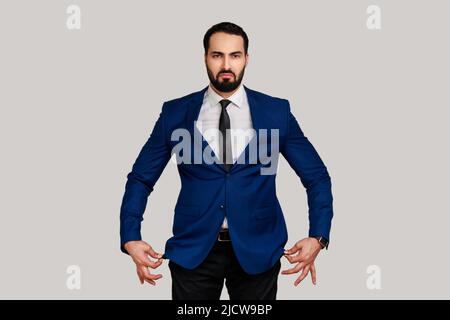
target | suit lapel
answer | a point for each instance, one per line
(194, 107)
(199, 142)
(244, 157)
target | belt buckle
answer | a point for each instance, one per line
(223, 240)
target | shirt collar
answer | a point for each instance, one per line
(236, 98)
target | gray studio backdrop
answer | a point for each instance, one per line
(78, 104)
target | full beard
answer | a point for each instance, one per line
(226, 85)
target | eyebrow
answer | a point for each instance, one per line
(218, 52)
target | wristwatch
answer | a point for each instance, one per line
(323, 242)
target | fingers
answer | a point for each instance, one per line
(140, 276)
(289, 258)
(295, 258)
(296, 247)
(306, 269)
(141, 257)
(146, 261)
(153, 283)
(148, 277)
(152, 253)
(296, 269)
(303, 256)
(313, 274)
(303, 275)
(289, 251)
(292, 250)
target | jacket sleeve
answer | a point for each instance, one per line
(313, 174)
(146, 170)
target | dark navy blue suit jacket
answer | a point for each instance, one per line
(208, 193)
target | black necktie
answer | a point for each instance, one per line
(224, 124)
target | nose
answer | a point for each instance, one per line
(226, 63)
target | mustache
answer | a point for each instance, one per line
(226, 72)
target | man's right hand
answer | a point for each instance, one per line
(140, 252)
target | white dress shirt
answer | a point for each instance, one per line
(241, 127)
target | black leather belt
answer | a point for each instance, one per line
(224, 235)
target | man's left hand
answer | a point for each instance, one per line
(307, 250)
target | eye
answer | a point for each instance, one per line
(235, 56)
(215, 55)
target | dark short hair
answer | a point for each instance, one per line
(227, 27)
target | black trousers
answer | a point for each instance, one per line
(205, 282)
